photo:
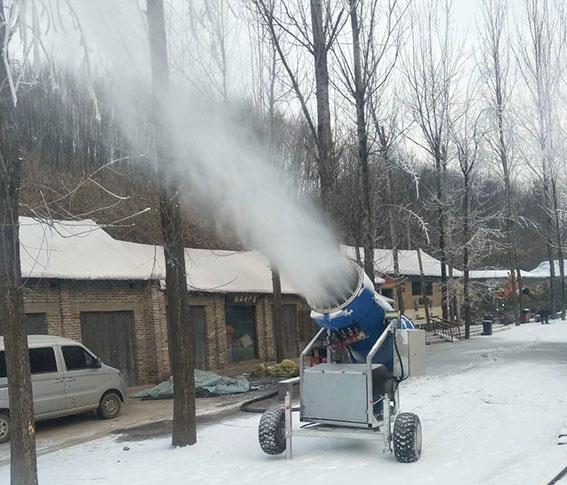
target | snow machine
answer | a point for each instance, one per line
(361, 354)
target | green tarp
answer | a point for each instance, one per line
(206, 384)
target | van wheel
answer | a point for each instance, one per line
(110, 405)
(4, 428)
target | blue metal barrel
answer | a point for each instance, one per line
(364, 309)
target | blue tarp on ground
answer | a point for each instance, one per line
(206, 384)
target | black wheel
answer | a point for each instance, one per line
(110, 405)
(407, 438)
(271, 431)
(4, 428)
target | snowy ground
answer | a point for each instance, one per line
(490, 408)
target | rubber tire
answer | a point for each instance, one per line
(407, 438)
(103, 412)
(6, 437)
(271, 431)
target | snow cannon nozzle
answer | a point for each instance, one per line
(357, 316)
(338, 294)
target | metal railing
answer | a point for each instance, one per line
(445, 329)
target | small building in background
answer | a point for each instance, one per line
(410, 279)
(83, 284)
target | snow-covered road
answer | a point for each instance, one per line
(490, 408)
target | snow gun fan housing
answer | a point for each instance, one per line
(356, 318)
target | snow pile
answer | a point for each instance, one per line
(490, 408)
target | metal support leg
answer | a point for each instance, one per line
(288, 453)
(387, 427)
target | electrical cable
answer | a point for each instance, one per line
(245, 406)
(403, 376)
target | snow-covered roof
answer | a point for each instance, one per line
(77, 250)
(494, 274)
(542, 269)
(407, 260)
(82, 250)
(489, 274)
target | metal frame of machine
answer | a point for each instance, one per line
(375, 429)
(354, 395)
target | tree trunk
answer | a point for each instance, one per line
(551, 278)
(277, 315)
(362, 136)
(398, 287)
(326, 161)
(23, 465)
(559, 244)
(180, 328)
(394, 239)
(441, 228)
(466, 237)
(23, 461)
(423, 287)
(511, 243)
(549, 238)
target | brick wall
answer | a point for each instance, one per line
(63, 301)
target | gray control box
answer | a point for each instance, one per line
(411, 345)
(336, 393)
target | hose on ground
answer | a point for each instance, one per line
(245, 406)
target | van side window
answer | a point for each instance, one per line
(42, 360)
(77, 358)
(3, 372)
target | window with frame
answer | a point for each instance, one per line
(416, 288)
(77, 358)
(42, 360)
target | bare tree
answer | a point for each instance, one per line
(466, 135)
(539, 55)
(376, 29)
(204, 37)
(431, 74)
(23, 461)
(180, 328)
(317, 36)
(386, 135)
(495, 67)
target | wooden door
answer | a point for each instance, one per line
(289, 323)
(110, 336)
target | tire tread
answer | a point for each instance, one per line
(404, 437)
(271, 431)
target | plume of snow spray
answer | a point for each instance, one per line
(220, 163)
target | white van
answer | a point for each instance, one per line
(67, 378)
